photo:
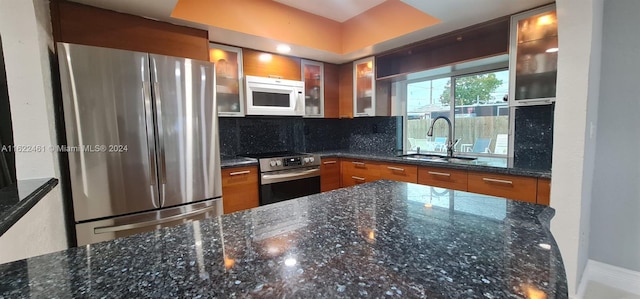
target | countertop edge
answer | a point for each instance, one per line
(15, 213)
(240, 162)
(497, 170)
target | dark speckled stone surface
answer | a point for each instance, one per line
(16, 200)
(381, 239)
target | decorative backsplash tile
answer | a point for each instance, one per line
(240, 136)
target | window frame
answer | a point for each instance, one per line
(454, 75)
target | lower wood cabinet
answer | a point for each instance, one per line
(544, 192)
(443, 177)
(509, 186)
(240, 188)
(329, 174)
(398, 172)
(358, 171)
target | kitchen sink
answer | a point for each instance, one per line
(437, 158)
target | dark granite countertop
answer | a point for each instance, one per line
(229, 162)
(485, 164)
(16, 200)
(380, 239)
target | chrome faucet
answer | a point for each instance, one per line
(449, 140)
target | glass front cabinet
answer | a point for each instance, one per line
(229, 82)
(533, 57)
(364, 86)
(313, 77)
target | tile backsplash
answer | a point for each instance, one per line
(533, 140)
(240, 136)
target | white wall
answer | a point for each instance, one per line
(615, 210)
(25, 27)
(580, 34)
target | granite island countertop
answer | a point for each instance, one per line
(380, 239)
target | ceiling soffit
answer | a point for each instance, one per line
(337, 10)
(273, 20)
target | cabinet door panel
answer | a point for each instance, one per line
(329, 174)
(544, 192)
(239, 188)
(280, 66)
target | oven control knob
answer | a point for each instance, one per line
(279, 162)
(306, 160)
(272, 163)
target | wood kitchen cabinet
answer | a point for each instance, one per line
(455, 179)
(509, 186)
(398, 172)
(346, 90)
(358, 171)
(329, 174)
(239, 188)
(544, 192)
(331, 90)
(262, 64)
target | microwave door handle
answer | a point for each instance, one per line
(296, 106)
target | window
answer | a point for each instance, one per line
(475, 104)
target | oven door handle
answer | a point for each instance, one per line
(289, 176)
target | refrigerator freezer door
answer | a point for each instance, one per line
(187, 129)
(108, 119)
(109, 229)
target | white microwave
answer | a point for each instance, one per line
(271, 96)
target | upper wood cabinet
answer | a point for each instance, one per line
(346, 90)
(331, 91)
(265, 64)
(533, 60)
(364, 88)
(312, 73)
(229, 80)
(87, 25)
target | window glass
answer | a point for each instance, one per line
(424, 101)
(475, 105)
(481, 114)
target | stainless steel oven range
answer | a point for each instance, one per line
(287, 175)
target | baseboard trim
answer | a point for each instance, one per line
(617, 277)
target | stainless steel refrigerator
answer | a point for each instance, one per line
(142, 140)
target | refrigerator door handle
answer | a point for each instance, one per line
(117, 228)
(151, 144)
(162, 173)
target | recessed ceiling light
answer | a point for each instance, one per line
(282, 48)
(552, 50)
(265, 57)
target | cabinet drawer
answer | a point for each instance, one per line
(361, 167)
(239, 188)
(399, 172)
(329, 174)
(357, 172)
(443, 177)
(544, 192)
(511, 187)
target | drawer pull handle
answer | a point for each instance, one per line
(497, 181)
(439, 173)
(239, 172)
(329, 162)
(358, 163)
(357, 178)
(395, 168)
